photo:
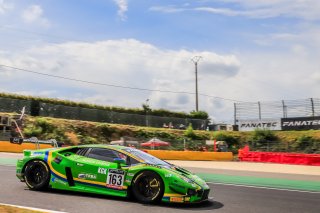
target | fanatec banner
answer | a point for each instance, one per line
(301, 123)
(251, 125)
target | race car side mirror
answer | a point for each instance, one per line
(119, 161)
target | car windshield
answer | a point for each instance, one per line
(146, 157)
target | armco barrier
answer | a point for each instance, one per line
(191, 155)
(162, 154)
(6, 146)
(279, 157)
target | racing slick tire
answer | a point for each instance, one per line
(147, 187)
(37, 175)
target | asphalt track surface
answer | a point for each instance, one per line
(227, 198)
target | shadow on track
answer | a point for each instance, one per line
(207, 205)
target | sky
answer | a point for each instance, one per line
(125, 52)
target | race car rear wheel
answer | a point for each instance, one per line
(37, 175)
(147, 187)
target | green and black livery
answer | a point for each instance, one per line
(110, 170)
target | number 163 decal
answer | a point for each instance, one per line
(115, 178)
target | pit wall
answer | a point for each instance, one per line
(6, 146)
(191, 155)
(279, 157)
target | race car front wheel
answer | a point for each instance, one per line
(148, 187)
(37, 175)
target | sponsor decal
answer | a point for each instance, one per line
(57, 180)
(302, 123)
(79, 164)
(176, 199)
(168, 175)
(165, 198)
(251, 125)
(115, 179)
(94, 161)
(130, 174)
(260, 125)
(102, 171)
(87, 176)
(58, 160)
(187, 199)
(37, 153)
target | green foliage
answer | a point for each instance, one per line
(43, 129)
(32, 131)
(75, 132)
(146, 108)
(46, 126)
(167, 113)
(199, 114)
(87, 140)
(195, 145)
(263, 135)
(189, 132)
(106, 131)
(231, 140)
(308, 144)
(139, 111)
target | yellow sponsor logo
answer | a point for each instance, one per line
(176, 199)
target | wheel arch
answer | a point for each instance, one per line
(130, 188)
(150, 170)
(31, 160)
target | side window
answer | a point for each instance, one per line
(103, 154)
(132, 161)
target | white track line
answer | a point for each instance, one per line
(30, 208)
(263, 187)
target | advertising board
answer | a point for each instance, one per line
(251, 125)
(300, 123)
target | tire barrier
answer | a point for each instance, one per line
(191, 155)
(279, 157)
(6, 146)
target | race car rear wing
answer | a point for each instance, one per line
(35, 140)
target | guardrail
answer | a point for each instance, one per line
(20, 144)
(6, 146)
(279, 157)
(191, 155)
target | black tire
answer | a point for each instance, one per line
(147, 187)
(37, 175)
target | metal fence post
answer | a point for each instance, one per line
(312, 106)
(235, 113)
(259, 105)
(284, 109)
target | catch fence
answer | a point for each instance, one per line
(38, 108)
(276, 109)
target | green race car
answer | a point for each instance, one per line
(110, 170)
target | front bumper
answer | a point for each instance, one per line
(19, 170)
(201, 196)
